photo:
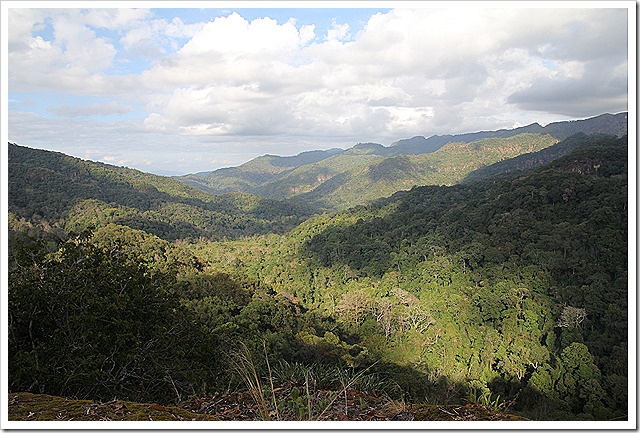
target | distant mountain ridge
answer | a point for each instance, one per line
(338, 179)
(75, 195)
(533, 160)
(612, 124)
(254, 172)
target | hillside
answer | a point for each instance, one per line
(252, 173)
(383, 176)
(365, 173)
(515, 285)
(536, 159)
(340, 179)
(507, 293)
(73, 195)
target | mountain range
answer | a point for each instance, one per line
(274, 193)
(338, 179)
(76, 195)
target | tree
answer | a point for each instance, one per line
(384, 310)
(571, 317)
(354, 305)
(89, 322)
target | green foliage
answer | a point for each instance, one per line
(509, 292)
(94, 321)
(473, 282)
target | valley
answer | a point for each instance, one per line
(487, 269)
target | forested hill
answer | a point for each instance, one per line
(73, 195)
(340, 179)
(588, 184)
(515, 286)
(254, 172)
(509, 292)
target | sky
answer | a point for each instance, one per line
(172, 91)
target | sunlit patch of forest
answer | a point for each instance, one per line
(509, 291)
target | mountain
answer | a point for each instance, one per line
(365, 172)
(378, 176)
(536, 159)
(612, 124)
(564, 187)
(338, 179)
(252, 173)
(74, 194)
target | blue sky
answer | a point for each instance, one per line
(174, 91)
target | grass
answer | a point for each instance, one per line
(282, 392)
(314, 392)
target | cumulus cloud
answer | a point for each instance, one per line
(157, 37)
(233, 35)
(405, 72)
(423, 60)
(72, 59)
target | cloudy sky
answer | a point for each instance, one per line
(174, 91)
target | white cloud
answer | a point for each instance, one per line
(120, 18)
(157, 37)
(80, 46)
(237, 38)
(338, 32)
(406, 61)
(90, 110)
(407, 72)
(155, 123)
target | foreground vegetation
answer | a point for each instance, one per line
(357, 406)
(508, 293)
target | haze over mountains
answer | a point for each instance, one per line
(338, 179)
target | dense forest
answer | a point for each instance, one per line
(508, 290)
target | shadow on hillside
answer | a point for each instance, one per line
(429, 218)
(318, 366)
(545, 230)
(529, 161)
